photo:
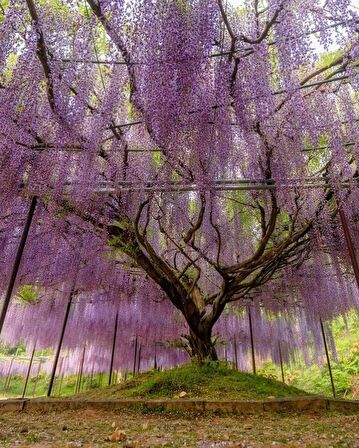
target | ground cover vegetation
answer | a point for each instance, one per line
(211, 381)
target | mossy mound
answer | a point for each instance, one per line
(213, 381)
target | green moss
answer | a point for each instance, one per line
(209, 381)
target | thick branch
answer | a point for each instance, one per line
(190, 233)
(266, 29)
(229, 28)
(42, 53)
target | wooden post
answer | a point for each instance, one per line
(139, 358)
(235, 354)
(281, 361)
(155, 360)
(252, 340)
(17, 262)
(328, 358)
(28, 371)
(134, 358)
(349, 242)
(113, 350)
(59, 345)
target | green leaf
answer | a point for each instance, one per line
(27, 294)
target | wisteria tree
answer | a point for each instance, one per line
(210, 146)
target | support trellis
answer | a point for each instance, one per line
(220, 186)
(28, 371)
(350, 246)
(36, 378)
(113, 350)
(138, 350)
(214, 55)
(17, 262)
(135, 357)
(252, 340)
(328, 358)
(281, 361)
(8, 375)
(59, 346)
(80, 372)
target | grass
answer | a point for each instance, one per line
(209, 381)
(40, 385)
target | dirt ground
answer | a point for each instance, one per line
(92, 429)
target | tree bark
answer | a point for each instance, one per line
(201, 346)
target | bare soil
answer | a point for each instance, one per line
(92, 429)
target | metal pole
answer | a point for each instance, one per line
(59, 346)
(134, 359)
(235, 354)
(28, 371)
(155, 360)
(139, 358)
(17, 262)
(328, 359)
(252, 340)
(350, 245)
(113, 350)
(281, 361)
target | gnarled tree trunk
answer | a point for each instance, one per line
(200, 346)
(198, 343)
